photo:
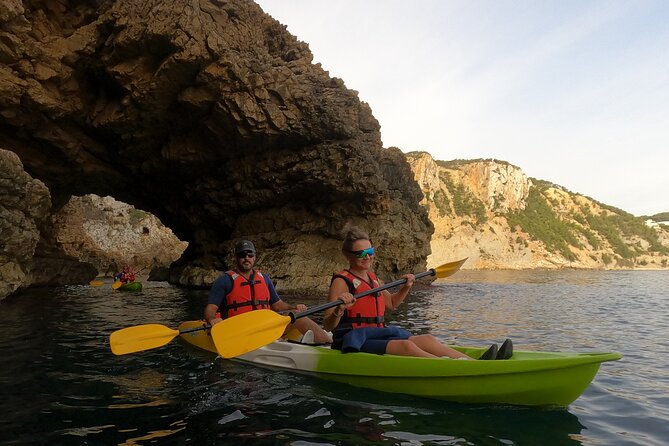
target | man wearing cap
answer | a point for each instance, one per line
(246, 289)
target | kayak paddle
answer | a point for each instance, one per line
(266, 326)
(144, 337)
(248, 331)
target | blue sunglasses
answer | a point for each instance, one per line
(363, 252)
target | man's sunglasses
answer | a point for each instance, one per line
(245, 254)
(363, 252)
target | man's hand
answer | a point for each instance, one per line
(300, 308)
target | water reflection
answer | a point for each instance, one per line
(308, 409)
(576, 277)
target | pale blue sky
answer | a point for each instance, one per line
(573, 92)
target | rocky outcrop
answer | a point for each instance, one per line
(464, 200)
(212, 117)
(25, 260)
(25, 203)
(110, 234)
(52, 267)
(490, 212)
(498, 185)
(502, 187)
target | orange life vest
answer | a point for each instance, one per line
(368, 310)
(246, 295)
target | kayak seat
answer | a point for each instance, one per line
(306, 339)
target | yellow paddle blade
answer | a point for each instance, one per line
(140, 338)
(96, 283)
(116, 285)
(248, 331)
(448, 269)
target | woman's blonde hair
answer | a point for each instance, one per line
(351, 235)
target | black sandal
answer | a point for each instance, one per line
(506, 350)
(489, 354)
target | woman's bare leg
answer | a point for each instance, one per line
(432, 345)
(304, 324)
(404, 347)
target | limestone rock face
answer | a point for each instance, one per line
(500, 186)
(26, 256)
(211, 116)
(464, 199)
(472, 205)
(52, 267)
(24, 208)
(110, 234)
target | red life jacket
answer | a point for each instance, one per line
(368, 310)
(246, 295)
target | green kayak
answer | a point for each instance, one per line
(528, 378)
(131, 286)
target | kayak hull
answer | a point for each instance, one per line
(528, 378)
(131, 286)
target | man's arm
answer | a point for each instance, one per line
(210, 314)
(220, 288)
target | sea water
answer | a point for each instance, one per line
(60, 384)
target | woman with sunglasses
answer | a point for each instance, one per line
(360, 326)
(244, 289)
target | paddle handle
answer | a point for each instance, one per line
(338, 302)
(190, 330)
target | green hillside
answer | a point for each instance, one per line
(560, 233)
(490, 210)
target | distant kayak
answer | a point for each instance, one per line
(528, 378)
(131, 286)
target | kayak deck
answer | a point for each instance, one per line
(528, 378)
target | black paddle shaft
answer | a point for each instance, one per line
(191, 330)
(335, 303)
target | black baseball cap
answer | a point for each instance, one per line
(244, 245)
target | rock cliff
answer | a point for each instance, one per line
(211, 116)
(109, 234)
(25, 202)
(27, 257)
(491, 212)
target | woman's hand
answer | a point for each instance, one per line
(348, 300)
(300, 308)
(410, 280)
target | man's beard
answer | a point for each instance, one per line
(244, 267)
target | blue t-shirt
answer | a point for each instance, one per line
(223, 286)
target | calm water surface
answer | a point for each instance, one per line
(60, 384)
